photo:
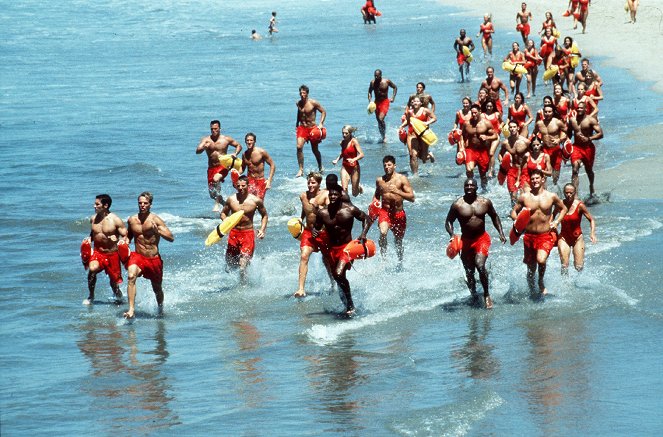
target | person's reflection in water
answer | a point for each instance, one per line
(476, 356)
(247, 364)
(128, 388)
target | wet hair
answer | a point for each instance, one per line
(472, 180)
(536, 171)
(474, 105)
(389, 158)
(147, 195)
(468, 99)
(213, 122)
(349, 128)
(303, 87)
(250, 134)
(105, 199)
(314, 175)
(274, 13)
(485, 103)
(551, 107)
(547, 97)
(522, 96)
(569, 185)
(569, 38)
(423, 85)
(489, 68)
(378, 71)
(244, 178)
(331, 178)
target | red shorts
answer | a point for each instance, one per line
(319, 243)
(397, 221)
(523, 29)
(498, 106)
(535, 242)
(512, 178)
(473, 247)
(215, 187)
(258, 187)
(481, 158)
(584, 153)
(111, 264)
(382, 106)
(305, 132)
(241, 243)
(338, 254)
(150, 267)
(556, 157)
(460, 58)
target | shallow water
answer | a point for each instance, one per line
(113, 97)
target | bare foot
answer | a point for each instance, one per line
(350, 312)
(544, 291)
(300, 293)
(431, 158)
(129, 314)
(217, 207)
(88, 301)
(299, 173)
(489, 302)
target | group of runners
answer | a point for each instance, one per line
(490, 135)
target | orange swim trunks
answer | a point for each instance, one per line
(338, 254)
(397, 221)
(258, 187)
(150, 267)
(556, 157)
(110, 261)
(319, 243)
(460, 58)
(585, 153)
(481, 158)
(382, 106)
(475, 246)
(305, 132)
(241, 243)
(535, 242)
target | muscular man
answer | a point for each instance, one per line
(392, 188)
(216, 145)
(540, 235)
(552, 132)
(522, 22)
(494, 85)
(106, 230)
(380, 86)
(463, 41)
(426, 99)
(516, 146)
(309, 244)
(478, 134)
(586, 129)
(147, 229)
(306, 114)
(241, 239)
(470, 210)
(255, 159)
(337, 218)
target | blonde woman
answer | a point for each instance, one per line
(351, 153)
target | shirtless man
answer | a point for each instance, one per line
(255, 159)
(470, 210)
(516, 146)
(241, 239)
(426, 99)
(552, 132)
(309, 244)
(586, 129)
(463, 41)
(392, 188)
(581, 76)
(522, 22)
(494, 85)
(216, 145)
(106, 231)
(478, 134)
(306, 113)
(540, 235)
(380, 86)
(337, 218)
(146, 229)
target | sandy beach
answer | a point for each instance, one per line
(617, 42)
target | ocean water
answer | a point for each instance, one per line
(113, 96)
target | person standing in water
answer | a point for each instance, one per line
(380, 86)
(571, 237)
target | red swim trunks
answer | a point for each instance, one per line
(150, 267)
(556, 157)
(258, 187)
(481, 158)
(473, 247)
(382, 106)
(535, 242)
(523, 28)
(305, 132)
(241, 243)
(512, 177)
(111, 264)
(460, 58)
(338, 254)
(215, 187)
(319, 243)
(584, 153)
(397, 221)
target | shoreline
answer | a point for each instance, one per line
(608, 35)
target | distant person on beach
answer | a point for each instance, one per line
(548, 23)
(255, 35)
(470, 210)
(515, 57)
(552, 132)
(426, 99)
(572, 9)
(478, 135)
(146, 229)
(585, 129)
(522, 22)
(272, 24)
(486, 30)
(390, 190)
(532, 62)
(583, 13)
(417, 147)
(307, 129)
(461, 57)
(337, 218)
(380, 86)
(254, 159)
(216, 145)
(540, 235)
(309, 244)
(351, 153)
(494, 85)
(241, 239)
(632, 8)
(368, 12)
(570, 237)
(106, 231)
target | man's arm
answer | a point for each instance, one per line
(272, 169)
(238, 146)
(323, 113)
(370, 91)
(559, 205)
(496, 220)
(598, 131)
(263, 213)
(366, 221)
(393, 85)
(162, 229)
(121, 229)
(506, 92)
(202, 145)
(406, 191)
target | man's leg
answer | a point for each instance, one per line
(316, 153)
(480, 261)
(300, 155)
(305, 254)
(133, 272)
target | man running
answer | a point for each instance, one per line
(255, 158)
(494, 85)
(380, 86)
(461, 58)
(586, 129)
(552, 132)
(305, 125)
(522, 22)
(478, 134)
(426, 99)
